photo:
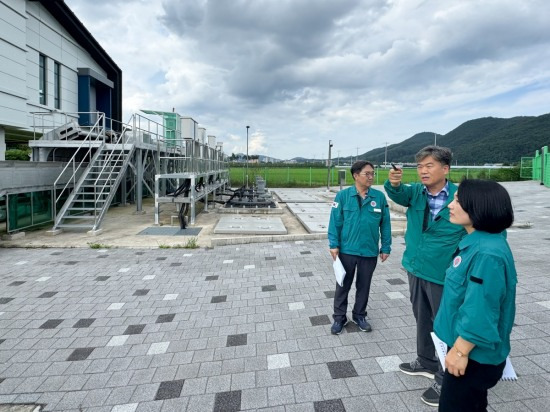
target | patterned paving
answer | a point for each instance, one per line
(236, 328)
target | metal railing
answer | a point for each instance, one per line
(95, 134)
(114, 157)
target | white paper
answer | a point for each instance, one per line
(508, 374)
(339, 271)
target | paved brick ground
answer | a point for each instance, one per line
(238, 328)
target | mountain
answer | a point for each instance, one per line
(484, 140)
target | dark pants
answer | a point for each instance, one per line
(469, 392)
(425, 299)
(365, 268)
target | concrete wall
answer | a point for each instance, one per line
(27, 30)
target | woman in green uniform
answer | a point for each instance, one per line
(478, 306)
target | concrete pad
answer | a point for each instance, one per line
(303, 195)
(14, 236)
(314, 222)
(278, 210)
(297, 208)
(254, 225)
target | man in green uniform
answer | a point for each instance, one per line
(359, 218)
(431, 239)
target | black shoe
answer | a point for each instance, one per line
(338, 327)
(362, 323)
(416, 369)
(431, 396)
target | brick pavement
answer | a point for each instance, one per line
(237, 328)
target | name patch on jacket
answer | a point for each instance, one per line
(335, 205)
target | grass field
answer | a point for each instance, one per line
(313, 177)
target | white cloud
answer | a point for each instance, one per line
(302, 72)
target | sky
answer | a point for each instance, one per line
(361, 73)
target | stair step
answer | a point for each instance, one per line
(69, 226)
(87, 217)
(84, 208)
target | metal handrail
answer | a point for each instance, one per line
(100, 125)
(109, 161)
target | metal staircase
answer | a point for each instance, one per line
(90, 198)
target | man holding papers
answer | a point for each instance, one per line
(359, 219)
(431, 239)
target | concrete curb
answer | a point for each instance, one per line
(279, 238)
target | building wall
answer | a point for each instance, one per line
(27, 30)
(13, 93)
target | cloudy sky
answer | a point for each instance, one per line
(302, 72)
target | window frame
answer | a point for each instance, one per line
(57, 84)
(42, 79)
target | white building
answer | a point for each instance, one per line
(49, 62)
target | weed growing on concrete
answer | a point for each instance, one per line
(163, 246)
(191, 243)
(98, 246)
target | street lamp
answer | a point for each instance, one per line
(328, 164)
(247, 127)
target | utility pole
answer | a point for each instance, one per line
(328, 164)
(247, 127)
(357, 156)
(386, 156)
(338, 157)
(435, 139)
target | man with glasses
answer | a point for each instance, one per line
(430, 242)
(359, 218)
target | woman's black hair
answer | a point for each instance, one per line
(357, 166)
(487, 203)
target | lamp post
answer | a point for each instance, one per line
(247, 127)
(328, 164)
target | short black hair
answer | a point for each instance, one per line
(442, 154)
(357, 166)
(487, 203)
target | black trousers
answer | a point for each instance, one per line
(365, 267)
(469, 392)
(425, 300)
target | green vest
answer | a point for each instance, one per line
(356, 225)
(430, 244)
(479, 295)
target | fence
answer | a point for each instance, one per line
(318, 176)
(540, 166)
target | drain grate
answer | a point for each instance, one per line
(170, 231)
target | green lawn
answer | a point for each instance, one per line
(314, 177)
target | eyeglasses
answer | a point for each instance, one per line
(368, 174)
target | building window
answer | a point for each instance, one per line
(57, 84)
(42, 79)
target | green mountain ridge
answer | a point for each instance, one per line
(478, 141)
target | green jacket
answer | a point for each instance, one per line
(478, 301)
(356, 224)
(430, 244)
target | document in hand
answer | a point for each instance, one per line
(339, 271)
(509, 374)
